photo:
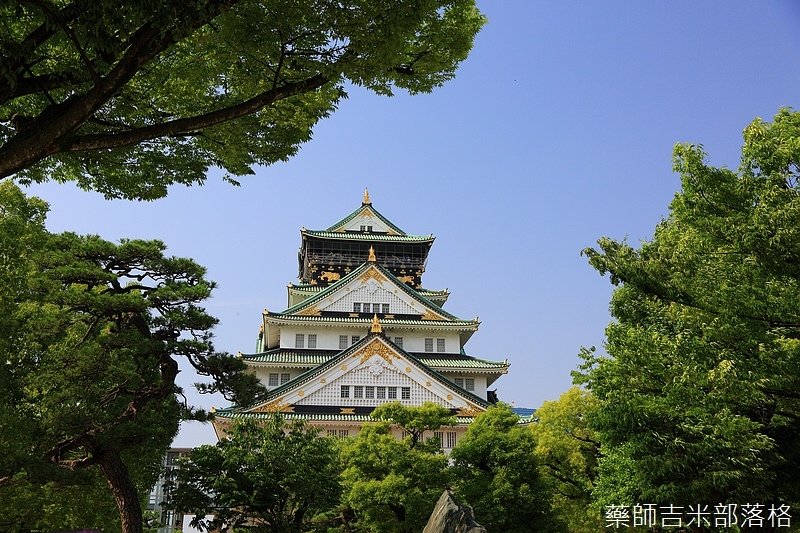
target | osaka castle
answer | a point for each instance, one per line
(361, 329)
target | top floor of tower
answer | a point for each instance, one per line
(327, 255)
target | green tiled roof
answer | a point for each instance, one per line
(385, 322)
(427, 293)
(333, 287)
(236, 414)
(311, 374)
(371, 237)
(308, 358)
(355, 213)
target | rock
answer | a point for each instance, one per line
(450, 517)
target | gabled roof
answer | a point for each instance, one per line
(311, 358)
(379, 273)
(370, 237)
(366, 209)
(363, 348)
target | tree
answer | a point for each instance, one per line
(91, 336)
(128, 98)
(390, 484)
(698, 393)
(415, 420)
(269, 477)
(567, 450)
(496, 471)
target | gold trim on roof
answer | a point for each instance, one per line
(372, 273)
(347, 410)
(430, 315)
(275, 406)
(366, 200)
(470, 410)
(310, 311)
(371, 257)
(375, 347)
(376, 325)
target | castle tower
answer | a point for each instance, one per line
(360, 330)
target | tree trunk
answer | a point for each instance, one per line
(122, 488)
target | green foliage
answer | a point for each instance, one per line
(128, 98)
(568, 450)
(496, 471)
(91, 336)
(699, 390)
(270, 477)
(390, 485)
(416, 420)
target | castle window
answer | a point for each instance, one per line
(384, 308)
(342, 342)
(459, 382)
(344, 433)
(398, 341)
(439, 345)
(369, 392)
(358, 391)
(392, 393)
(354, 339)
(439, 435)
(365, 307)
(356, 307)
(381, 393)
(345, 391)
(299, 340)
(312, 340)
(285, 378)
(469, 384)
(451, 439)
(428, 345)
(405, 393)
(273, 380)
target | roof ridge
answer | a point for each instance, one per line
(359, 210)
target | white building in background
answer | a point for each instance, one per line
(361, 329)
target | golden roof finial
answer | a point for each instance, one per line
(371, 258)
(366, 200)
(376, 325)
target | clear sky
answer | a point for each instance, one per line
(557, 130)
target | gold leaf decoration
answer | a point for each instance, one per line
(430, 315)
(470, 410)
(372, 273)
(310, 311)
(375, 347)
(347, 410)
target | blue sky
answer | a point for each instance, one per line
(557, 130)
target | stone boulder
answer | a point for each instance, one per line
(450, 517)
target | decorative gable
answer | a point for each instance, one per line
(366, 220)
(367, 375)
(370, 289)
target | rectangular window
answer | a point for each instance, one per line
(366, 308)
(342, 342)
(285, 378)
(384, 308)
(312, 340)
(459, 382)
(428, 345)
(439, 345)
(381, 393)
(469, 384)
(354, 339)
(356, 307)
(344, 433)
(451, 439)
(299, 340)
(369, 228)
(439, 435)
(331, 432)
(273, 380)
(392, 393)
(345, 391)
(363, 228)
(405, 393)
(398, 341)
(358, 391)
(369, 392)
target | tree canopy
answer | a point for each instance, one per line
(128, 98)
(270, 477)
(699, 393)
(91, 336)
(497, 472)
